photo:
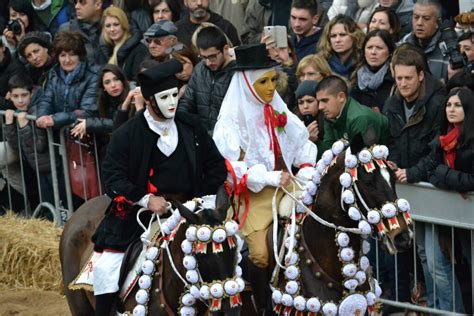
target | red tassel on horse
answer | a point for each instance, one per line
(201, 247)
(287, 310)
(381, 163)
(217, 247)
(369, 167)
(235, 300)
(215, 304)
(393, 222)
(231, 242)
(407, 218)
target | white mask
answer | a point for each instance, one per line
(167, 102)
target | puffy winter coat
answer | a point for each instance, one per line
(205, 92)
(66, 102)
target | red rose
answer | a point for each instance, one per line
(281, 120)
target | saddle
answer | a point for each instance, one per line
(130, 270)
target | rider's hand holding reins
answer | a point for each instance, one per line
(285, 179)
(158, 205)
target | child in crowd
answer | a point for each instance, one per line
(30, 140)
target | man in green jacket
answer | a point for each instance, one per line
(345, 117)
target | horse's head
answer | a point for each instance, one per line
(212, 255)
(365, 188)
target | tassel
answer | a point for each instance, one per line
(201, 248)
(353, 173)
(277, 309)
(299, 313)
(381, 228)
(407, 218)
(217, 247)
(381, 163)
(369, 167)
(287, 310)
(215, 304)
(235, 300)
(371, 309)
(311, 314)
(231, 242)
(393, 222)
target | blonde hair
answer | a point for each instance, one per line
(317, 62)
(351, 27)
(121, 16)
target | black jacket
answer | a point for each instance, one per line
(461, 178)
(129, 56)
(126, 167)
(205, 92)
(186, 29)
(91, 33)
(409, 141)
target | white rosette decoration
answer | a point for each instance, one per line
(345, 179)
(219, 235)
(148, 266)
(186, 247)
(152, 253)
(337, 147)
(350, 161)
(330, 309)
(204, 291)
(241, 283)
(346, 254)
(191, 233)
(287, 300)
(389, 210)
(192, 276)
(299, 303)
(187, 311)
(361, 277)
(403, 205)
(327, 157)
(354, 213)
(189, 262)
(351, 284)
(139, 310)
(188, 299)
(349, 270)
(144, 282)
(313, 305)
(371, 298)
(204, 234)
(194, 290)
(364, 227)
(353, 304)
(231, 228)
(348, 197)
(231, 287)
(373, 217)
(141, 296)
(216, 290)
(343, 239)
(365, 156)
(365, 247)
(292, 272)
(291, 287)
(364, 263)
(276, 296)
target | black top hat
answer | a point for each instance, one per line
(159, 78)
(252, 56)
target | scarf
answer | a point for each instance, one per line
(366, 79)
(68, 78)
(448, 144)
(339, 68)
(168, 131)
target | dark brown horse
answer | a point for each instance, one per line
(319, 263)
(76, 248)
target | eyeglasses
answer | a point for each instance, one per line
(211, 58)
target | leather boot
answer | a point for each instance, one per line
(260, 280)
(105, 304)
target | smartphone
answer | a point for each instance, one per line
(277, 34)
(308, 119)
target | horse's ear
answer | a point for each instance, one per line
(357, 144)
(222, 200)
(370, 136)
(191, 217)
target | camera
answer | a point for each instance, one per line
(15, 27)
(449, 45)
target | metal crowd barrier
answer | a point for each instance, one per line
(433, 208)
(62, 206)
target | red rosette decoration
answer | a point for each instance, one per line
(215, 304)
(235, 300)
(277, 309)
(121, 205)
(281, 119)
(217, 247)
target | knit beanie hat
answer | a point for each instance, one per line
(41, 38)
(307, 87)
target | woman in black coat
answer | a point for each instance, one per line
(374, 79)
(118, 46)
(452, 156)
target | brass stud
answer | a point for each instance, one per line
(318, 274)
(157, 273)
(157, 290)
(162, 305)
(308, 262)
(330, 285)
(301, 249)
(298, 236)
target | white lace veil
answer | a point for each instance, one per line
(241, 125)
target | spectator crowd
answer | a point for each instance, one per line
(343, 67)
